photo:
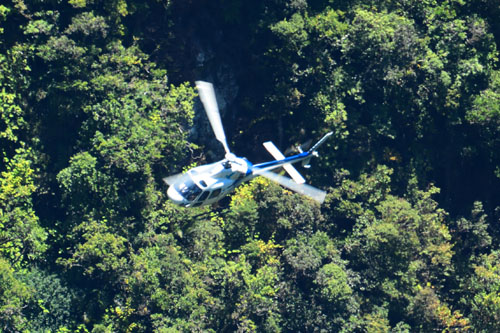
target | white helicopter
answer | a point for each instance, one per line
(206, 184)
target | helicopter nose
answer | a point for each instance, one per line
(175, 196)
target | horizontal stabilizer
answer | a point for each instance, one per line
(273, 150)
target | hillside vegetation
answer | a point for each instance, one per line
(97, 105)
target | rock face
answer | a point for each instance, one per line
(222, 76)
(214, 51)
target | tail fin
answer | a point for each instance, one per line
(312, 151)
(320, 142)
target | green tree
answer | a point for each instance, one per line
(255, 276)
(51, 302)
(166, 288)
(483, 289)
(14, 295)
(317, 292)
(21, 236)
(396, 245)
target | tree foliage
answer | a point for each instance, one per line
(97, 105)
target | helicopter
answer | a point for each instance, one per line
(207, 184)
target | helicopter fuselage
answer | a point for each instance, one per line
(206, 184)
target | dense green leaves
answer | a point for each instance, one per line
(21, 236)
(484, 293)
(13, 295)
(97, 105)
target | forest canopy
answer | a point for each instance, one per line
(98, 104)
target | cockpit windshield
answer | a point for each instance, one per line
(189, 190)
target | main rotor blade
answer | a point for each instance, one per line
(207, 96)
(273, 150)
(310, 191)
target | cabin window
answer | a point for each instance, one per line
(204, 196)
(215, 193)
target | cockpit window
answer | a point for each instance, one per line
(189, 190)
